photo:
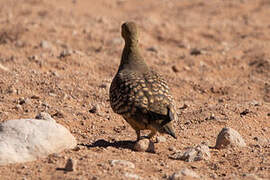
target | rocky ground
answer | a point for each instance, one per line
(60, 57)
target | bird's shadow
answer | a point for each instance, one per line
(117, 144)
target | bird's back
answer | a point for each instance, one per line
(144, 94)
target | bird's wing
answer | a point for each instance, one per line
(161, 103)
(144, 96)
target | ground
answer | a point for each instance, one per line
(60, 57)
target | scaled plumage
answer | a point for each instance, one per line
(139, 94)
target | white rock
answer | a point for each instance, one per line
(229, 137)
(23, 140)
(123, 163)
(45, 44)
(184, 173)
(144, 145)
(3, 68)
(161, 139)
(132, 176)
(197, 153)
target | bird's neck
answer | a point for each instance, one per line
(131, 57)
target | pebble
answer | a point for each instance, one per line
(3, 68)
(144, 145)
(175, 68)
(153, 49)
(195, 52)
(132, 176)
(245, 112)
(94, 109)
(65, 52)
(262, 140)
(19, 44)
(184, 173)
(197, 153)
(22, 101)
(44, 116)
(71, 165)
(171, 148)
(160, 139)
(52, 94)
(123, 163)
(45, 44)
(229, 137)
(255, 103)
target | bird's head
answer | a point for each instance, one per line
(130, 32)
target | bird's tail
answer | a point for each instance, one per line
(169, 130)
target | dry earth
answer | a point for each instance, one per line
(60, 57)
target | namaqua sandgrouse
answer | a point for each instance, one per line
(139, 94)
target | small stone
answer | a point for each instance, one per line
(172, 149)
(212, 116)
(144, 145)
(55, 74)
(58, 114)
(65, 52)
(19, 44)
(77, 148)
(161, 139)
(195, 52)
(132, 176)
(18, 107)
(80, 53)
(34, 97)
(27, 101)
(186, 68)
(197, 153)
(34, 58)
(184, 173)
(123, 163)
(45, 44)
(262, 140)
(3, 68)
(44, 116)
(70, 165)
(255, 103)
(52, 94)
(229, 137)
(153, 49)
(184, 106)
(175, 68)
(245, 112)
(94, 109)
(21, 101)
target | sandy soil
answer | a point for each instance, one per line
(60, 57)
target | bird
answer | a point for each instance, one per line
(139, 94)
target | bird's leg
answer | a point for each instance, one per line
(152, 134)
(138, 134)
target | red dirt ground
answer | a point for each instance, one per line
(60, 57)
